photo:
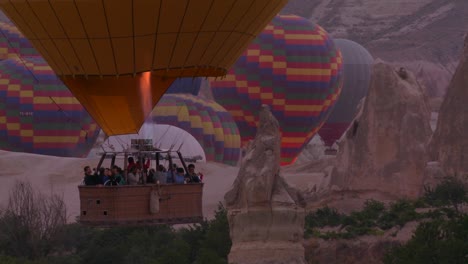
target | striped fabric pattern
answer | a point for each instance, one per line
(208, 122)
(38, 114)
(12, 43)
(294, 67)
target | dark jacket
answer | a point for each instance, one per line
(92, 179)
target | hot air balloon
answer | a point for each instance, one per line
(119, 56)
(186, 86)
(38, 114)
(294, 67)
(209, 123)
(357, 66)
(12, 43)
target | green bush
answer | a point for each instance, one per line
(399, 214)
(323, 217)
(452, 191)
(217, 236)
(208, 242)
(438, 241)
(373, 217)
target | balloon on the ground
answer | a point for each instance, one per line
(12, 43)
(357, 66)
(38, 114)
(294, 67)
(119, 57)
(209, 123)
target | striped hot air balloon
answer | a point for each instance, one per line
(357, 66)
(12, 43)
(38, 114)
(186, 85)
(294, 67)
(208, 122)
(129, 52)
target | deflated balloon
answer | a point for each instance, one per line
(209, 123)
(118, 57)
(38, 114)
(294, 67)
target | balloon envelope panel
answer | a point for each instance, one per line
(181, 38)
(209, 123)
(38, 114)
(357, 67)
(12, 43)
(129, 52)
(292, 66)
(185, 85)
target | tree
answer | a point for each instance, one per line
(31, 221)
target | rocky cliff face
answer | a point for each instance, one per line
(266, 216)
(449, 144)
(425, 36)
(385, 148)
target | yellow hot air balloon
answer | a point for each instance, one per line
(119, 56)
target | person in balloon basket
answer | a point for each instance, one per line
(171, 173)
(180, 177)
(192, 176)
(118, 174)
(131, 163)
(109, 178)
(161, 175)
(133, 176)
(143, 164)
(91, 178)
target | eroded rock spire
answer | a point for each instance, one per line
(266, 216)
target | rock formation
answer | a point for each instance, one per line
(385, 148)
(266, 216)
(449, 144)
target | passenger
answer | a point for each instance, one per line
(131, 163)
(161, 175)
(171, 173)
(133, 176)
(91, 178)
(109, 178)
(179, 177)
(145, 163)
(192, 176)
(141, 176)
(151, 178)
(101, 175)
(118, 174)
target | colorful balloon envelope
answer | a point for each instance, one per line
(12, 43)
(118, 57)
(186, 86)
(38, 114)
(205, 120)
(357, 67)
(294, 67)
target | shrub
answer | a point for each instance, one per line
(400, 213)
(438, 241)
(30, 222)
(452, 191)
(323, 217)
